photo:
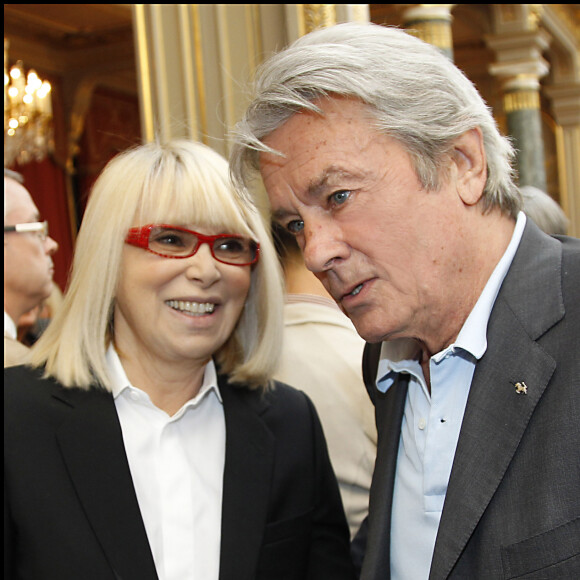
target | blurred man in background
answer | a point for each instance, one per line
(28, 266)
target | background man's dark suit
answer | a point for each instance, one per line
(512, 508)
(71, 512)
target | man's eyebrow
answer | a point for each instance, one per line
(321, 183)
(35, 217)
(279, 215)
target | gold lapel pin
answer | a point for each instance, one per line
(521, 388)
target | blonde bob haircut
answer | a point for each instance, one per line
(182, 183)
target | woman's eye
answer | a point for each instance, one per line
(295, 226)
(170, 240)
(233, 246)
(339, 197)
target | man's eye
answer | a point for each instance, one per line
(339, 197)
(295, 226)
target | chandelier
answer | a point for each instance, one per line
(28, 133)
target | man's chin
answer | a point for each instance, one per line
(373, 334)
(370, 335)
(49, 288)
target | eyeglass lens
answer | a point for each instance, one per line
(43, 233)
(172, 242)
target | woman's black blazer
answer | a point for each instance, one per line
(71, 512)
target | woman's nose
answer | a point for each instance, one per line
(203, 266)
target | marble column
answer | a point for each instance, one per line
(431, 23)
(524, 124)
(519, 67)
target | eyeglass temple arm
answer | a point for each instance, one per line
(32, 227)
(138, 237)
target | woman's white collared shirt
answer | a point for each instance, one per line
(177, 465)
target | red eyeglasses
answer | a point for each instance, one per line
(175, 242)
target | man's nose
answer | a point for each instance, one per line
(51, 246)
(323, 245)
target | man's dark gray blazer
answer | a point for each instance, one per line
(71, 513)
(512, 507)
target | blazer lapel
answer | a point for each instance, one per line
(389, 415)
(497, 414)
(247, 473)
(92, 446)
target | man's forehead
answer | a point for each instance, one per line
(323, 162)
(330, 111)
(19, 201)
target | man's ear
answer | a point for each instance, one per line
(471, 161)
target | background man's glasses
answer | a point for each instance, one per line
(38, 228)
(175, 242)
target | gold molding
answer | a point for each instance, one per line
(360, 12)
(562, 169)
(144, 70)
(225, 74)
(318, 16)
(200, 74)
(521, 100)
(159, 51)
(534, 16)
(187, 51)
(435, 32)
(569, 17)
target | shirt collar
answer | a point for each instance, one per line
(9, 326)
(401, 355)
(473, 335)
(120, 382)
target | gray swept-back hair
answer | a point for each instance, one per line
(415, 94)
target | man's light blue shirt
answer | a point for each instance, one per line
(431, 425)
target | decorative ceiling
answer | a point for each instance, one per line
(74, 40)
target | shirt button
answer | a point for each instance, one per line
(422, 423)
(134, 396)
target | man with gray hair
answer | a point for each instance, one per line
(28, 267)
(383, 160)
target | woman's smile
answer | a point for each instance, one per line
(191, 308)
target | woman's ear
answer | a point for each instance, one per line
(470, 159)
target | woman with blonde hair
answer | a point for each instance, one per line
(145, 438)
